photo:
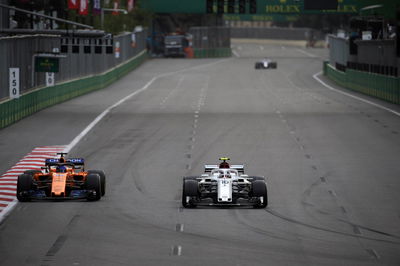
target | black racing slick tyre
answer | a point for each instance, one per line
(32, 172)
(190, 178)
(254, 178)
(24, 185)
(190, 189)
(102, 180)
(93, 185)
(259, 189)
(273, 65)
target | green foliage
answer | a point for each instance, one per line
(112, 23)
(124, 22)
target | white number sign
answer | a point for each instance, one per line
(14, 83)
(49, 79)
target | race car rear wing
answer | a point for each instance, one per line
(74, 161)
(209, 167)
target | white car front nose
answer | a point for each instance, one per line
(224, 190)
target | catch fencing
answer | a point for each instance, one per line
(81, 71)
(81, 57)
(211, 41)
(276, 33)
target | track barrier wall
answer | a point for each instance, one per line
(380, 86)
(211, 41)
(34, 101)
(79, 73)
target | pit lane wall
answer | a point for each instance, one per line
(37, 98)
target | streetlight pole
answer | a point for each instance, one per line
(110, 10)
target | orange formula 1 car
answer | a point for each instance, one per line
(61, 179)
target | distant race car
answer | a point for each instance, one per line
(224, 185)
(265, 64)
(61, 179)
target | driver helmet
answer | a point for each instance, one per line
(224, 165)
(61, 169)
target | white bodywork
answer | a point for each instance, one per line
(225, 180)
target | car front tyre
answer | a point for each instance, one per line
(93, 185)
(259, 190)
(190, 190)
(102, 179)
(24, 185)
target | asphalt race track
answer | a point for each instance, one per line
(331, 162)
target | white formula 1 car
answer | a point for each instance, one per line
(265, 64)
(224, 185)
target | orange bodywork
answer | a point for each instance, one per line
(60, 181)
(58, 184)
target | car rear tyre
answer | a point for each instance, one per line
(24, 185)
(259, 190)
(102, 179)
(93, 185)
(190, 190)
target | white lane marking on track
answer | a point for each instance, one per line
(172, 91)
(145, 87)
(177, 250)
(315, 76)
(235, 53)
(306, 53)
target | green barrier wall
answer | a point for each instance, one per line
(14, 110)
(380, 86)
(212, 52)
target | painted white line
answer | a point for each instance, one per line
(37, 156)
(315, 76)
(235, 53)
(8, 181)
(25, 166)
(78, 138)
(8, 186)
(7, 190)
(4, 213)
(306, 53)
